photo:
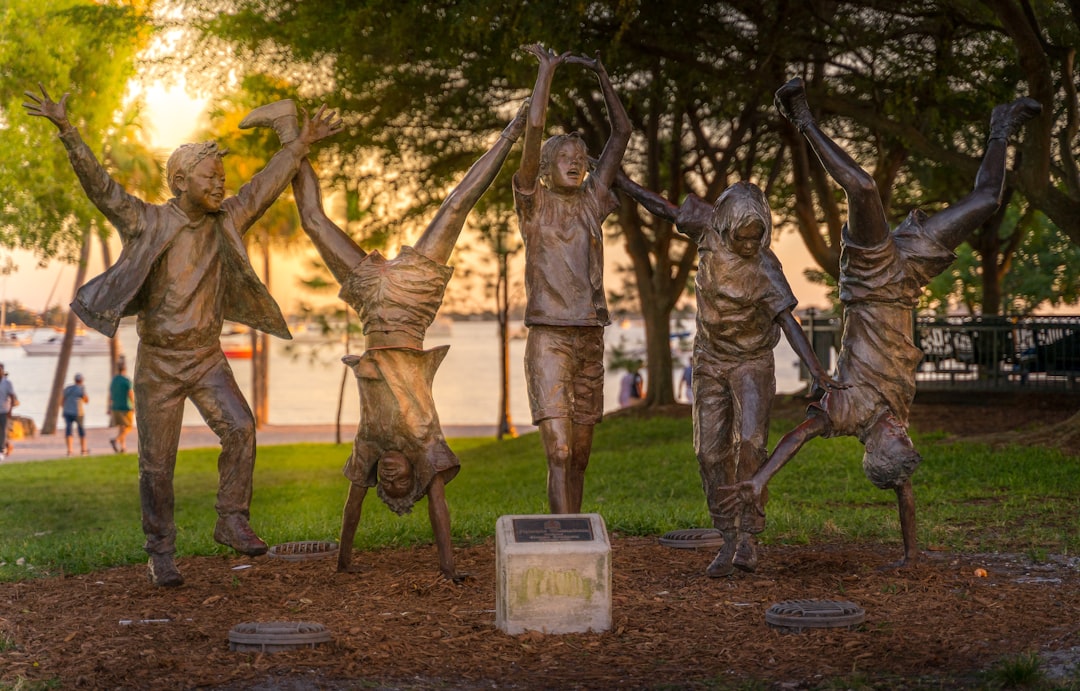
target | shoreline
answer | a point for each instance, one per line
(49, 447)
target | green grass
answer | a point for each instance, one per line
(75, 516)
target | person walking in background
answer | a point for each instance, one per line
(686, 382)
(8, 401)
(121, 407)
(75, 399)
(631, 387)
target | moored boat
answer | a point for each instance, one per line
(81, 345)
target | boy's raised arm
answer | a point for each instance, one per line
(653, 202)
(611, 158)
(529, 170)
(796, 337)
(120, 207)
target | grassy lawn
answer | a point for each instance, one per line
(79, 515)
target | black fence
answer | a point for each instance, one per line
(979, 353)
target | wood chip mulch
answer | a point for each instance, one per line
(397, 625)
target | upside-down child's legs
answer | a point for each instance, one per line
(866, 215)
(952, 225)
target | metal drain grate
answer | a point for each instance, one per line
(798, 615)
(272, 636)
(303, 551)
(692, 538)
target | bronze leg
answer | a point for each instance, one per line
(439, 513)
(555, 432)
(905, 499)
(579, 461)
(350, 519)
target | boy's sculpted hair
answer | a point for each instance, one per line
(551, 147)
(186, 157)
(739, 205)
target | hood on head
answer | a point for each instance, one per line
(738, 205)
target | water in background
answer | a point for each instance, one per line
(305, 391)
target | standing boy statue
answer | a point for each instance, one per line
(744, 302)
(560, 211)
(399, 448)
(182, 271)
(882, 275)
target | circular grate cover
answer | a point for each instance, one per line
(302, 551)
(692, 538)
(797, 615)
(272, 636)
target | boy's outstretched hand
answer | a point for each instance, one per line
(734, 499)
(593, 63)
(45, 107)
(517, 125)
(546, 56)
(320, 126)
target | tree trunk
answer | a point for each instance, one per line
(502, 302)
(260, 356)
(256, 382)
(344, 378)
(263, 413)
(660, 274)
(52, 408)
(114, 342)
(660, 389)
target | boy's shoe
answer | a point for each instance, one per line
(235, 531)
(280, 115)
(790, 100)
(746, 553)
(721, 565)
(115, 448)
(162, 571)
(1007, 118)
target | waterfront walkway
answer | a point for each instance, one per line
(43, 447)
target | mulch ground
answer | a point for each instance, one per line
(938, 624)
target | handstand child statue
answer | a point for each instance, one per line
(882, 275)
(182, 271)
(399, 446)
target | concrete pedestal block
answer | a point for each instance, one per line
(552, 574)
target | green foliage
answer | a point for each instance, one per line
(69, 516)
(906, 87)
(1044, 272)
(78, 46)
(1022, 671)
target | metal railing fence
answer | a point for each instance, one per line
(979, 353)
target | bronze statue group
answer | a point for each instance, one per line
(183, 270)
